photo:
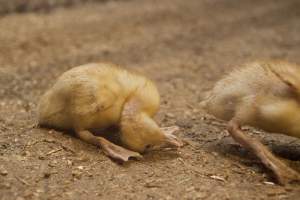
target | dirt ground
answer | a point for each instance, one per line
(185, 47)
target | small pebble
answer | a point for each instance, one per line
(170, 115)
(269, 183)
(69, 163)
(47, 174)
(3, 171)
(41, 157)
(80, 167)
(76, 174)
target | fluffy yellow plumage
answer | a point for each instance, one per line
(99, 95)
(264, 95)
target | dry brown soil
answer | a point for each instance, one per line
(185, 47)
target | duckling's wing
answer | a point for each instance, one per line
(89, 97)
(288, 73)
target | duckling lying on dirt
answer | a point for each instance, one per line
(97, 96)
(264, 95)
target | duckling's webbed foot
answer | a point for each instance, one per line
(115, 152)
(284, 174)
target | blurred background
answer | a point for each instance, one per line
(38, 5)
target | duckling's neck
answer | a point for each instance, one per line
(142, 90)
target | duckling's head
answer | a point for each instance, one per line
(141, 133)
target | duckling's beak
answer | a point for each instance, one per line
(171, 141)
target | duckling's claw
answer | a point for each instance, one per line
(288, 178)
(286, 175)
(118, 153)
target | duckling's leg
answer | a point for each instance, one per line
(283, 173)
(114, 151)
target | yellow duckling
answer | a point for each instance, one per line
(264, 95)
(96, 96)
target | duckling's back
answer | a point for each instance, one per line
(90, 96)
(246, 85)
